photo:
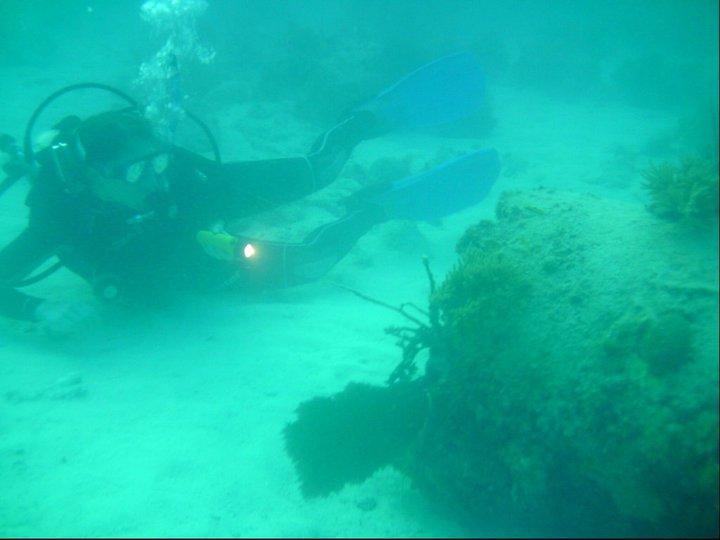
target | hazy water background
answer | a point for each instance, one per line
(577, 90)
(576, 50)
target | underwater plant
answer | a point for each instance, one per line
(478, 301)
(687, 193)
(346, 437)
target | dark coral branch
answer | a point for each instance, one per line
(431, 278)
(400, 310)
(411, 340)
(415, 307)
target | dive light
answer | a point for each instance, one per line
(249, 251)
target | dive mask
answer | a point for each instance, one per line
(145, 169)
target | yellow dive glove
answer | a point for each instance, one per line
(219, 245)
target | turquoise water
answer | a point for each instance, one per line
(569, 385)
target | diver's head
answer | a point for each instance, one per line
(125, 161)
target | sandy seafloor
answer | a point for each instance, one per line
(169, 423)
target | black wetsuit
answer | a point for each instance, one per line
(143, 256)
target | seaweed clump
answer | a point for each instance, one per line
(478, 301)
(687, 193)
(346, 437)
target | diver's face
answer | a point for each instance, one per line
(132, 183)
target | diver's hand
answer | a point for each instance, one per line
(62, 317)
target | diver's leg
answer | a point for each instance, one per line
(282, 264)
(328, 244)
(249, 187)
(332, 149)
(252, 186)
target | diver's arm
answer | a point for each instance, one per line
(23, 255)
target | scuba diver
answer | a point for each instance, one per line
(137, 216)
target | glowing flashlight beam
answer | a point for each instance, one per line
(249, 251)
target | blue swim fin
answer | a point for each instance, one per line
(445, 90)
(452, 186)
